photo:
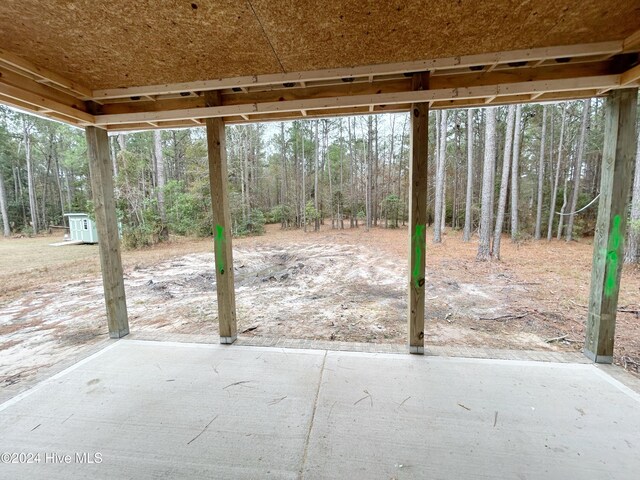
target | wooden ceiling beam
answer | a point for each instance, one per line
(11, 77)
(348, 111)
(471, 79)
(43, 102)
(518, 88)
(41, 112)
(343, 89)
(632, 42)
(529, 55)
(528, 75)
(44, 74)
(630, 76)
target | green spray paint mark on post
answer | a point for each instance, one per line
(418, 243)
(219, 252)
(615, 240)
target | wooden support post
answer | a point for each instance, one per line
(608, 245)
(218, 179)
(418, 215)
(101, 173)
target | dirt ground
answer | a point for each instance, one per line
(343, 285)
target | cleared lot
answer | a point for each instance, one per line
(333, 285)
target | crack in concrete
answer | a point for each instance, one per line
(313, 416)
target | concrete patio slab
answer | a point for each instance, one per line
(168, 410)
(407, 417)
(147, 409)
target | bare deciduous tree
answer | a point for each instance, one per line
(577, 169)
(33, 207)
(467, 208)
(160, 173)
(6, 230)
(440, 162)
(632, 251)
(515, 175)
(541, 174)
(504, 183)
(484, 247)
(554, 192)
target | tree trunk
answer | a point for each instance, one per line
(283, 187)
(315, 181)
(33, 208)
(68, 188)
(341, 203)
(541, 173)
(43, 219)
(554, 192)
(389, 192)
(369, 160)
(577, 169)
(353, 220)
(374, 176)
(562, 209)
(632, 251)
(304, 187)
(468, 220)
(6, 230)
(440, 167)
(484, 252)
(515, 175)
(59, 185)
(504, 183)
(245, 178)
(122, 142)
(242, 157)
(443, 217)
(160, 173)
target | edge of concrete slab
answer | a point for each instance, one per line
(61, 372)
(44, 373)
(614, 374)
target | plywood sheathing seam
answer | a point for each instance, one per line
(120, 43)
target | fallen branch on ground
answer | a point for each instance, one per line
(504, 317)
(626, 361)
(577, 304)
(555, 339)
(620, 309)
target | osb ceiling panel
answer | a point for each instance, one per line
(384, 31)
(118, 43)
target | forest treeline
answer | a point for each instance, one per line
(524, 170)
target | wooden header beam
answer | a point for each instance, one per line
(543, 86)
(522, 76)
(433, 65)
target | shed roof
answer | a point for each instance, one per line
(83, 55)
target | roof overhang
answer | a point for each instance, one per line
(548, 73)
